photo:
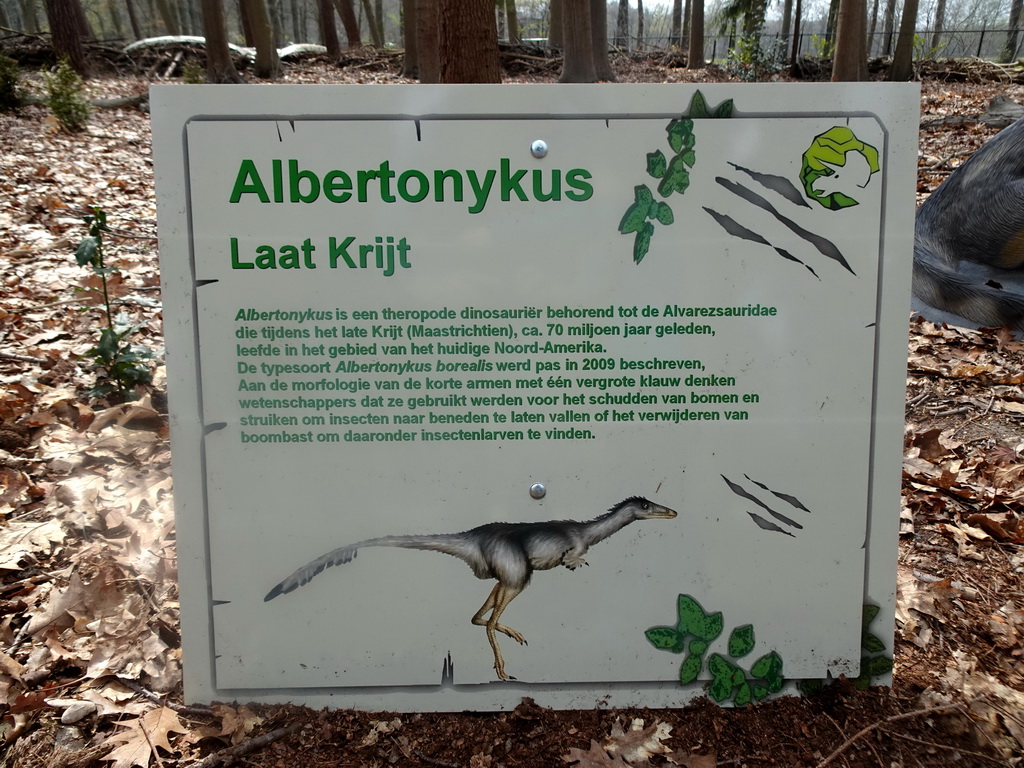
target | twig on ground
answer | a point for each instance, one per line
(434, 761)
(953, 411)
(958, 749)
(20, 358)
(975, 418)
(229, 755)
(152, 746)
(893, 719)
(842, 733)
(186, 710)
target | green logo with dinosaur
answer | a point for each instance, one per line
(837, 160)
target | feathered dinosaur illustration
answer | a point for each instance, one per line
(508, 552)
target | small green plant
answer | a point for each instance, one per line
(10, 94)
(120, 365)
(193, 73)
(752, 62)
(822, 47)
(65, 99)
(925, 52)
(692, 635)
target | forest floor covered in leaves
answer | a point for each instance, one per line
(90, 663)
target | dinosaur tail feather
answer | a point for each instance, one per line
(454, 545)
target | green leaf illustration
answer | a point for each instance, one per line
(872, 644)
(741, 641)
(698, 647)
(699, 106)
(676, 179)
(743, 695)
(810, 687)
(666, 639)
(694, 621)
(656, 164)
(877, 666)
(760, 692)
(643, 242)
(680, 134)
(724, 673)
(662, 212)
(870, 612)
(769, 668)
(635, 216)
(724, 109)
(689, 669)
(689, 157)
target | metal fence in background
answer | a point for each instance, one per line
(980, 43)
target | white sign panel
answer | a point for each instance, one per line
(635, 357)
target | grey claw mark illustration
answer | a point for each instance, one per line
(762, 522)
(825, 247)
(791, 500)
(768, 525)
(779, 184)
(736, 229)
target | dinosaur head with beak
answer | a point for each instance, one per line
(644, 509)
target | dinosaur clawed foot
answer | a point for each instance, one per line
(512, 633)
(572, 561)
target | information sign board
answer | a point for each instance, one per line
(399, 316)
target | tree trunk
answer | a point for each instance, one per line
(298, 33)
(695, 47)
(133, 19)
(65, 18)
(427, 41)
(349, 21)
(29, 16)
(169, 18)
(328, 32)
(849, 64)
(556, 25)
(797, 18)
(599, 41)
(115, 19)
(940, 22)
(639, 24)
(873, 26)
(468, 42)
(1011, 32)
(684, 41)
(219, 67)
(267, 65)
(378, 14)
(902, 68)
(411, 58)
(675, 35)
(888, 24)
(830, 25)
(622, 26)
(787, 23)
(512, 22)
(243, 19)
(578, 58)
(375, 37)
(276, 14)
